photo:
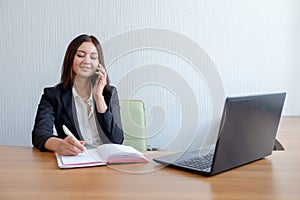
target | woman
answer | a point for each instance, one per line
(83, 101)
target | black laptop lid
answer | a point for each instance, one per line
(248, 130)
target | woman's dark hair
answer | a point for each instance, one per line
(67, 75)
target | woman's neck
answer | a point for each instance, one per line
(83, 88)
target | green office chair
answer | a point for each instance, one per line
(134, 123)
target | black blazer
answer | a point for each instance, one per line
(57, 108)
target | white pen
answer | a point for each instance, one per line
(69, 133)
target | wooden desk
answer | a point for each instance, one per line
(29, 174)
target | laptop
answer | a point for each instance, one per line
(247, 133)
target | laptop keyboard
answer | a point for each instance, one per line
(198, 162)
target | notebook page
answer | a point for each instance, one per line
(88, 156)
(106, 150)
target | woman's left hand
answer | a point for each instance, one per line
(98, 89)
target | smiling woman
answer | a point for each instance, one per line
(84, 101)
(85, 60)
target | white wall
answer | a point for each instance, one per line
(252, 44)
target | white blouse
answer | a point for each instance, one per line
(87, 120)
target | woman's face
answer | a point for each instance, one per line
(85, 60)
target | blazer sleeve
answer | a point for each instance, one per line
(44, 120)
(110, 121)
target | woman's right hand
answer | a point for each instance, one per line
(67, 147)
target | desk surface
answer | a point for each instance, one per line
(27, 173)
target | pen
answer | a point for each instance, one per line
(69, 133)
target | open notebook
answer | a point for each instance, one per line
(102, 155)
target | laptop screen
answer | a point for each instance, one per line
(247, 133)
(248, 130)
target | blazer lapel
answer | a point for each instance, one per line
(69, 105)
(66, 98)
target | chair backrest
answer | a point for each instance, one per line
(134, 123)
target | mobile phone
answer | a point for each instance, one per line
(94, 78)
